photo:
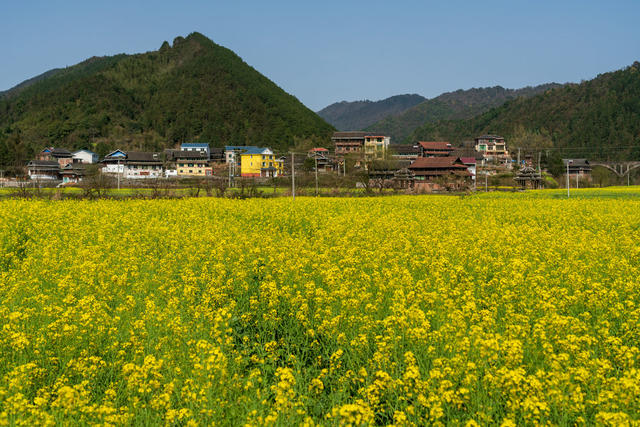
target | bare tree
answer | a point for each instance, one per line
(95, 184)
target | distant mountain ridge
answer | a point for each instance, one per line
(193, 90)
(460, 104)
(17, 88)
(597, 119)
(358, 115)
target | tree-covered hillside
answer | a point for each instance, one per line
(598, 119)
(358, 115)
(460, 104)
(194, 90)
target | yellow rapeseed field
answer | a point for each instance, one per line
(490, 309)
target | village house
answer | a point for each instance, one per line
(376, 147)
(43, 170)
(405, 152)
(492, 147)
(442, 169)
(201, 147)
(578, 168)
(72, 173)
(85, 156)
(192, 163)
(133, 164)
(470, 163)
(321, 158)
(348, 142)
(60, 155)
(260, 162)
(216, 155)
(435, 148)
(232, 157)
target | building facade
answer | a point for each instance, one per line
(260, 162)
(430, 168)
(43, 170)
(192, 163)
(492, 147)
(133, 164)
(408, 152)
(376, 147)
(201, 147)
(435, 148)
(85, 156)
(60, 155)
(348, 142)
(232, 157)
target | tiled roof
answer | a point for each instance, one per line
(44, 164)
(436, 163)
(199, 155)
(255, 150)
(143, 156)
(350, 135)
(576, 162)
(196, 144)
(468, 160)
(435, 145)
(489, 137)
(238, 147)
(404, 149)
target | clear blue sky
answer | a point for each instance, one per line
(328, 51)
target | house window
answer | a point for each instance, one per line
(190, 165)
(190, 171)
(263, 164)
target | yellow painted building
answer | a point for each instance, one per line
(260, 162)
(193, 164)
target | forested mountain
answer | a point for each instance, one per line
(358, 115)
(598, 119)
(17, 88)
(194, 90)
(460, 104)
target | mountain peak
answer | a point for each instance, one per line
(192, 90)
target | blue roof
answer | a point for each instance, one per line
(239, 147)
(117, 153)
(254, 150)
(195, 144)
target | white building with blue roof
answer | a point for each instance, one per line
(202, 147)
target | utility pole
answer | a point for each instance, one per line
(518, 157)
(293, 176)
(568, 161)
(315, 156)
(118, 174)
